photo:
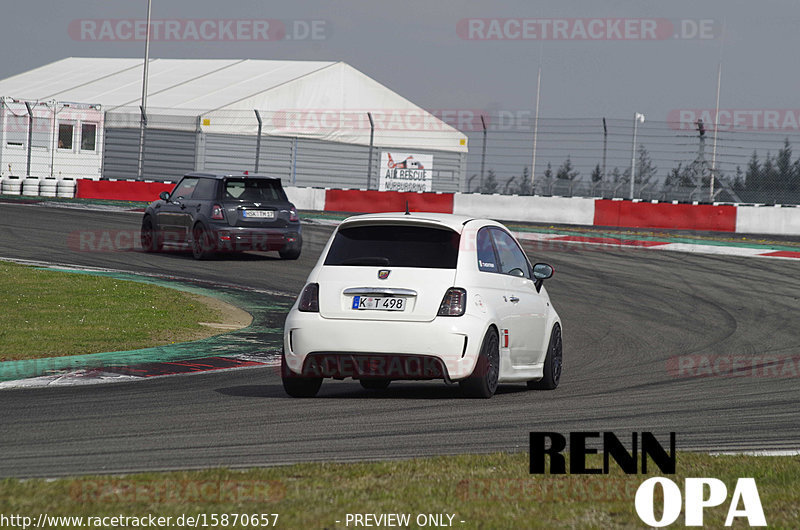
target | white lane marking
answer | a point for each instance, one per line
(78, 377)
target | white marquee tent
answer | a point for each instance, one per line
(307, 99)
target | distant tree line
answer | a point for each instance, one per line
(774, 173)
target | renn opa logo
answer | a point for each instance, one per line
(699, 493)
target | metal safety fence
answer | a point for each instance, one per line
(689, 157)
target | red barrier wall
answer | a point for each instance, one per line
(720, 218)
(386, 201)
(121, 190)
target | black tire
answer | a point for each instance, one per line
(297, 385)
(291, 251)
(483, 381)
(149, 237)
(553, 363)
(375, 384)
(202, 246)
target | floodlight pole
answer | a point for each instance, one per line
(716, 129)
(536, 124)
(637, 117)
(142, 123)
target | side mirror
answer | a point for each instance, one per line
(542, 271)
(164, 196)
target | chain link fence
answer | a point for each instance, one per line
(671, 160)
(466, 151)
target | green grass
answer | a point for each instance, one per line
(45, 313)
(485, 491)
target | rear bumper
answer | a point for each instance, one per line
(237, 238)
(444, 348)
(340, 365)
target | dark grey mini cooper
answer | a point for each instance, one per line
(224, 213)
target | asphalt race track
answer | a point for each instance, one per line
(625, 314)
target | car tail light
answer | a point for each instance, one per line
(309, 299)
(293, 217)
(454, 303)
(217, 212)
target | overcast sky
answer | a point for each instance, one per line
(435, 52)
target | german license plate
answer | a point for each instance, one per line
(379, 303)
(259, 214)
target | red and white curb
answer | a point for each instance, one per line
(691, 248)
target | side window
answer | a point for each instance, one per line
(184, 189)
(512, 259)
(487, 260)
(65, 135)
(88, 136)
(206, 190)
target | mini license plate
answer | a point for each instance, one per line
(379, 303)
(260, 214)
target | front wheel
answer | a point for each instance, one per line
(149, 237)
(483, 381)
(552, 363)
(297, 385)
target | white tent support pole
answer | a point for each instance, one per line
(258, 138)
(54, 140)
(371, 143)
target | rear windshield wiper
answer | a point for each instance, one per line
(366, 260)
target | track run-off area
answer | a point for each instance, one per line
(707, 346)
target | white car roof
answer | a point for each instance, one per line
(448, 220)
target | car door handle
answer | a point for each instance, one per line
(513, 298)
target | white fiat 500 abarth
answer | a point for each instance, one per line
(423, 296)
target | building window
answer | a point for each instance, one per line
(16, 130)
(88, 136)
(65, 135)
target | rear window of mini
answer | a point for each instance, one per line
(244, 189)
(394, 246)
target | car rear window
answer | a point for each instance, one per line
(395, 246)
(251, 190)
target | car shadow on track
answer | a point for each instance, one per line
(182, 253)
(349, 390)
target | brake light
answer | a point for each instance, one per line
(217, 212)
(454, 303)
(309, 299)
(293, 217)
